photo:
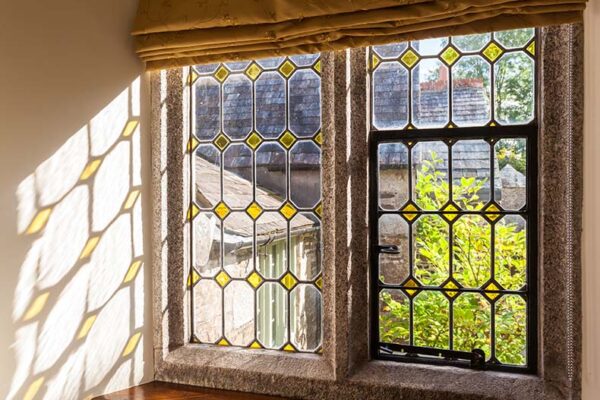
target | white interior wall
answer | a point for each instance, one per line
(74, 287)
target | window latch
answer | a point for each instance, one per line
(389, 249)
(476, 356)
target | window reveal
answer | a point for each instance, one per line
(255, 141)
(453, 205)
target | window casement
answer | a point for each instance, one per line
(453, 211)
(493, 166)
(255, 152)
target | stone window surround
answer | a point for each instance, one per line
(344, 371)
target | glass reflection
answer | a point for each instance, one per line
(305, 317)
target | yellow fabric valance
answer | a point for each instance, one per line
(172, 33)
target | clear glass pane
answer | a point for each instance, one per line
(207, 170)
(431, 320)
(208, 311)
(471, 250)
(511, 156)
(472, 323)
(207, 108)
(429, 47)
(305, 174)
(511, 330)
(238, 231)
(430, 94)
(270, 104)
(272, 62)
(390, 96)
(305, 103)
(207, 244)
(471, 174)
(431, 250)
(238, 65)
(271, 182)
(206, 68)
(304, 59)
(237, 106)
(394, 317)
(471, 43)
(239, 313)
(306, 310)
(390, 50)
(272, 309)
(271, 245)
(514, 38)
(514, 88)
(305, 246)
(430, 175)
(393, 175)
(237, 176)
(471, 91)
(511, 252)
(393, 230)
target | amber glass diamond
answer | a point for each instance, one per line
(222, 210)
(450, 55)
(192, 144)
(409, 58)
(254, 210)
(492, 52)
(449, 286)
(490, 212)
(193, 278)
(222, 278)
(287, 68)
(493, 295)
(192, 211)
(410, 283)
(253, 71)
(409, 213)
(288, 281)
(221, 141)
(449, 212)
(254, 140)
(288, 210)
(375, 61)
(254, 279)
(221, 74)
(287, 140)
(531, 48)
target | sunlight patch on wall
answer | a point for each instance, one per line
(79, 302)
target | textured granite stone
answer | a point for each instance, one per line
(344, 371)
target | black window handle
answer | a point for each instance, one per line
(389, 249)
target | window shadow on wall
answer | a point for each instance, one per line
(78, 309)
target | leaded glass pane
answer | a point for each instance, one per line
(452, 181)
(255, 147)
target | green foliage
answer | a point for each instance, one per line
(471, 252)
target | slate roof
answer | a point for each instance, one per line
(512, 178)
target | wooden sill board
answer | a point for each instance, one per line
(170, 391)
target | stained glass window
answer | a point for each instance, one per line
(255, 146)
(453, 200)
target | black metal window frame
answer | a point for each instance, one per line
(491, 133)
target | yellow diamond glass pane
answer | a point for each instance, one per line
(254, 140)
(221, 74)
(254, 210)
(287, 68)
(222, 210)
(254, 279)
(222, 278)
(221, 141)
(409, 58)
(492, 52)
(288, 210)
(253, 71)
(289, 281)
(450, 55)
(287, 140)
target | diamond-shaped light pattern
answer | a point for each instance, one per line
(409, 284)
(255, 121)
(449, 212)
(451, 284)
(491, 212)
